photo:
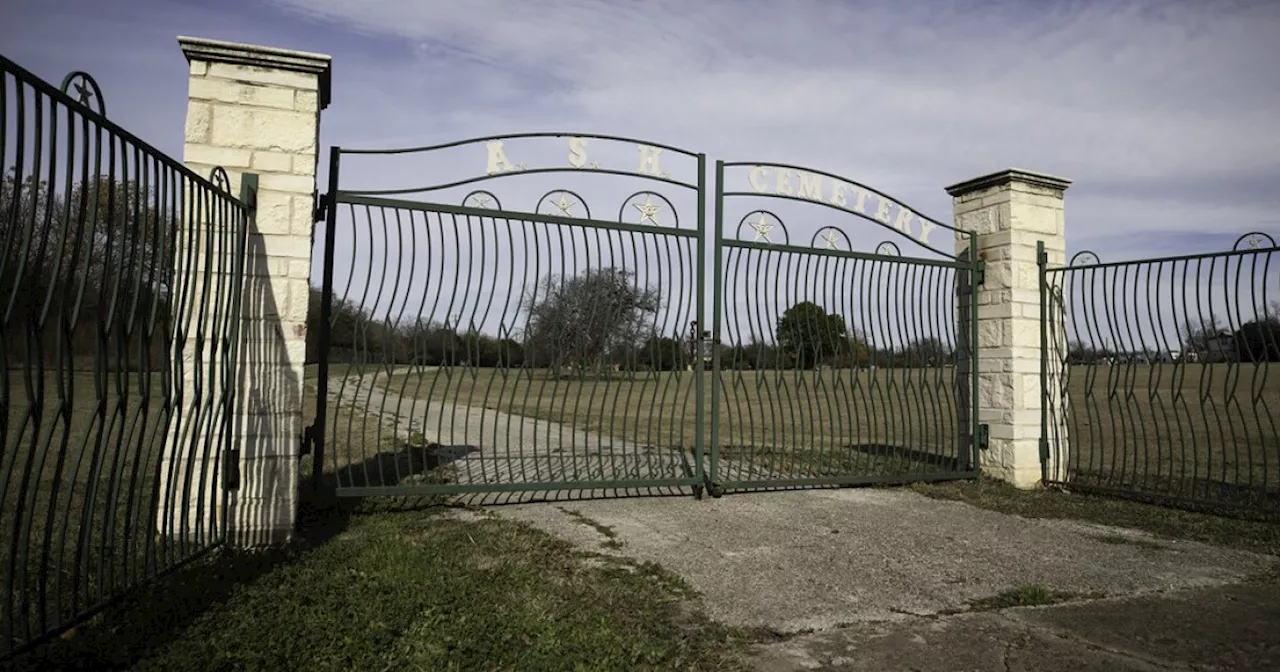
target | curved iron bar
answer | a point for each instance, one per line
(86, 91)
(1160, 398)
(531, 171)
(889, 248)
(113, 486)
(1084, 258)
(871, 190)
(786, 235)
(108, 126)
(830, 240)
(516, 136)
(564, 211)
(484, 205)
(220, 180)
(646, 193)
(1253, 238)
(664, 177)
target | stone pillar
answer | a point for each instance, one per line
(1011, 211)
(254, 109)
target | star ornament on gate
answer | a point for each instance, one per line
(833, 241)
(564, 205)
(648, 210)
(762, 227)
(83, 93)
(481, 201)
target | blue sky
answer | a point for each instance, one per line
(1161, 112)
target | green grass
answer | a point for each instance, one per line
(1132, 428)
(1029, 595)
(1256, 535)
(1197, 431)
(81, 489)
(408, 591)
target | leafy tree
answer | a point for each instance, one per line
(577, 321)
(1259, 340)
(663, 353)
(809, 335)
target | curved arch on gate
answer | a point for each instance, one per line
(840, 194)
(586, 167)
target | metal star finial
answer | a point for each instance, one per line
(564, 205)
(481, 201)
(83, 93)
(833, 242)
(1254, 243)
(762, 227)
(648, 210)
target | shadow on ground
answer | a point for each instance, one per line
(143, 622)
(155, 614)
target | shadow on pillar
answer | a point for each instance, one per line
(263, 496)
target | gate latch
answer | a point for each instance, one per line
(308, 440)
(984, 437)
(321, 202)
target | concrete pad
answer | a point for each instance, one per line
(811, 560)
(1218, 628)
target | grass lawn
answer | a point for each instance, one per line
(78, 509)
(1209, 432)
(1256, 535)
(441, 589)
(783, 423)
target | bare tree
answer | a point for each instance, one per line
(579, 320)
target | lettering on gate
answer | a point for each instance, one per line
(650, 159)
(814, 187)
(784, 181)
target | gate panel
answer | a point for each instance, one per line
(1159, 379)
(511, 341)
(836, 365)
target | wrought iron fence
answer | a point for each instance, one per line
(119, 270)
(838, 365)
(502, 344)
(1162, 376)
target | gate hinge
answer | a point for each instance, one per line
(308, 440)
(1044, 449)
(231, 470)
(321, 202)
(984, 436)
(980, 274)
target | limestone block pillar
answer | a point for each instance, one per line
(256, 110)
(1011, 211)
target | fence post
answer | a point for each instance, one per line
(1010, 212)
(254, 109)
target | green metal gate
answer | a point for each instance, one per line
(837, 366)
(549, 341)
(514, 344)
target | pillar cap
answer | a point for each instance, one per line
(1003, 177)
(204, 49)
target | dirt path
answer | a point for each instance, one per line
(488, 446)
